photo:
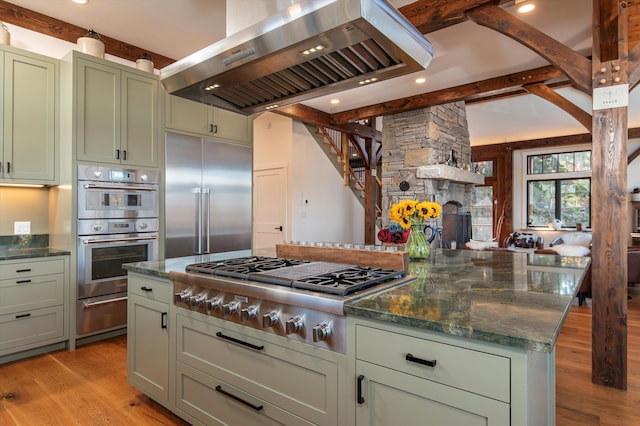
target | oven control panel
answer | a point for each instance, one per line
(322, 329)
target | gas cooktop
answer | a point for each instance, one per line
(323, 277)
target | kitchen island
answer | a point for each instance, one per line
(470, 340)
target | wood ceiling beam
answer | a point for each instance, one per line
(547, 93)
(320, 118)
(34, 21)
(452, 94)
(574, 65)
(432, 15)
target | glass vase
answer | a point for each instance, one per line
(417, 244)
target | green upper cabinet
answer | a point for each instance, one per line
(194, 117)
(116, 114)
(28, 117)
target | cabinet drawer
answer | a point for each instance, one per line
(149, 288)
(24, 293)
(23, 330)
(18, 269)
(394, 398)
(202, 397)
(265, 373)
(473, 371)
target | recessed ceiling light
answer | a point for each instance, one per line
(420, 80)
(80, 1)
(335, 101)
(526, 8)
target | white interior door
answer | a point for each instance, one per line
(269, 207)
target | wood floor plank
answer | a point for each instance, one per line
(84, 387)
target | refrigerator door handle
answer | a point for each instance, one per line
(207, 229)
(198, 192)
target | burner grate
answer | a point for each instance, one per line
(243, 266)
(347, 281)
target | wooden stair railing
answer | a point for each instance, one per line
(346, 149)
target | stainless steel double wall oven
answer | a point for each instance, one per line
(117, 223)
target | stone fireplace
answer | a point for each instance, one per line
(426, 155)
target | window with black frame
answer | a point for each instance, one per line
(559, 187)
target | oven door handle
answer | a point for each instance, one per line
(119, 240)
(120, 187)
(89, 305)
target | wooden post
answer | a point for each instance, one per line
(609, 194)
(370, 193)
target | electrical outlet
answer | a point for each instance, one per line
(21, 228)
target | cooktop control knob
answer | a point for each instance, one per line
(213, 304)
(97, 174)
(249, 313)
(231, 308)
(293, 325)
(182, 296)
(96, 227)
(270, 319)
(321, 331)
(198, 300)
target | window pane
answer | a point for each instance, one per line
(482, 213)
(541, 199)
(583, 161)
(550, 163)
(575, 202)
(565, 162)
(535, 164)
(484, 167)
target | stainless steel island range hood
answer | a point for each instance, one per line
(313, 48)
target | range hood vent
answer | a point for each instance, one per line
(314, 48)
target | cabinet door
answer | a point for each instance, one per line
(139, 132)
(98, 112)
(232, 126)
(148, 347)
(188, 116)
(394, 398)
(29, 119)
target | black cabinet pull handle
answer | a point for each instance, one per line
(163, 320)
(360, 397)
(124, 154)
(145, 288)
(117, 154)
(8, 167)
(248, 404)
(23, 316)
(23, 270)
(213, 128)
(23, 281)
(240, 342)
(412, 358)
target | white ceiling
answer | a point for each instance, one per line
(463, 53)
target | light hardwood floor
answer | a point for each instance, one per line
(89, 386)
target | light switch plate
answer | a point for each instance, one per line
(21, 228)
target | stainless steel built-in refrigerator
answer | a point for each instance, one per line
(207, 196)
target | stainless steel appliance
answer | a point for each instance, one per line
(207, 196)
(299, 300)
(118, 223)
(312, 48)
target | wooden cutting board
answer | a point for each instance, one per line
(396, 260)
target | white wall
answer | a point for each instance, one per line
(319, 207)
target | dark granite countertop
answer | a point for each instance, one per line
(23, 253)
(161, 268)
(514, 299)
